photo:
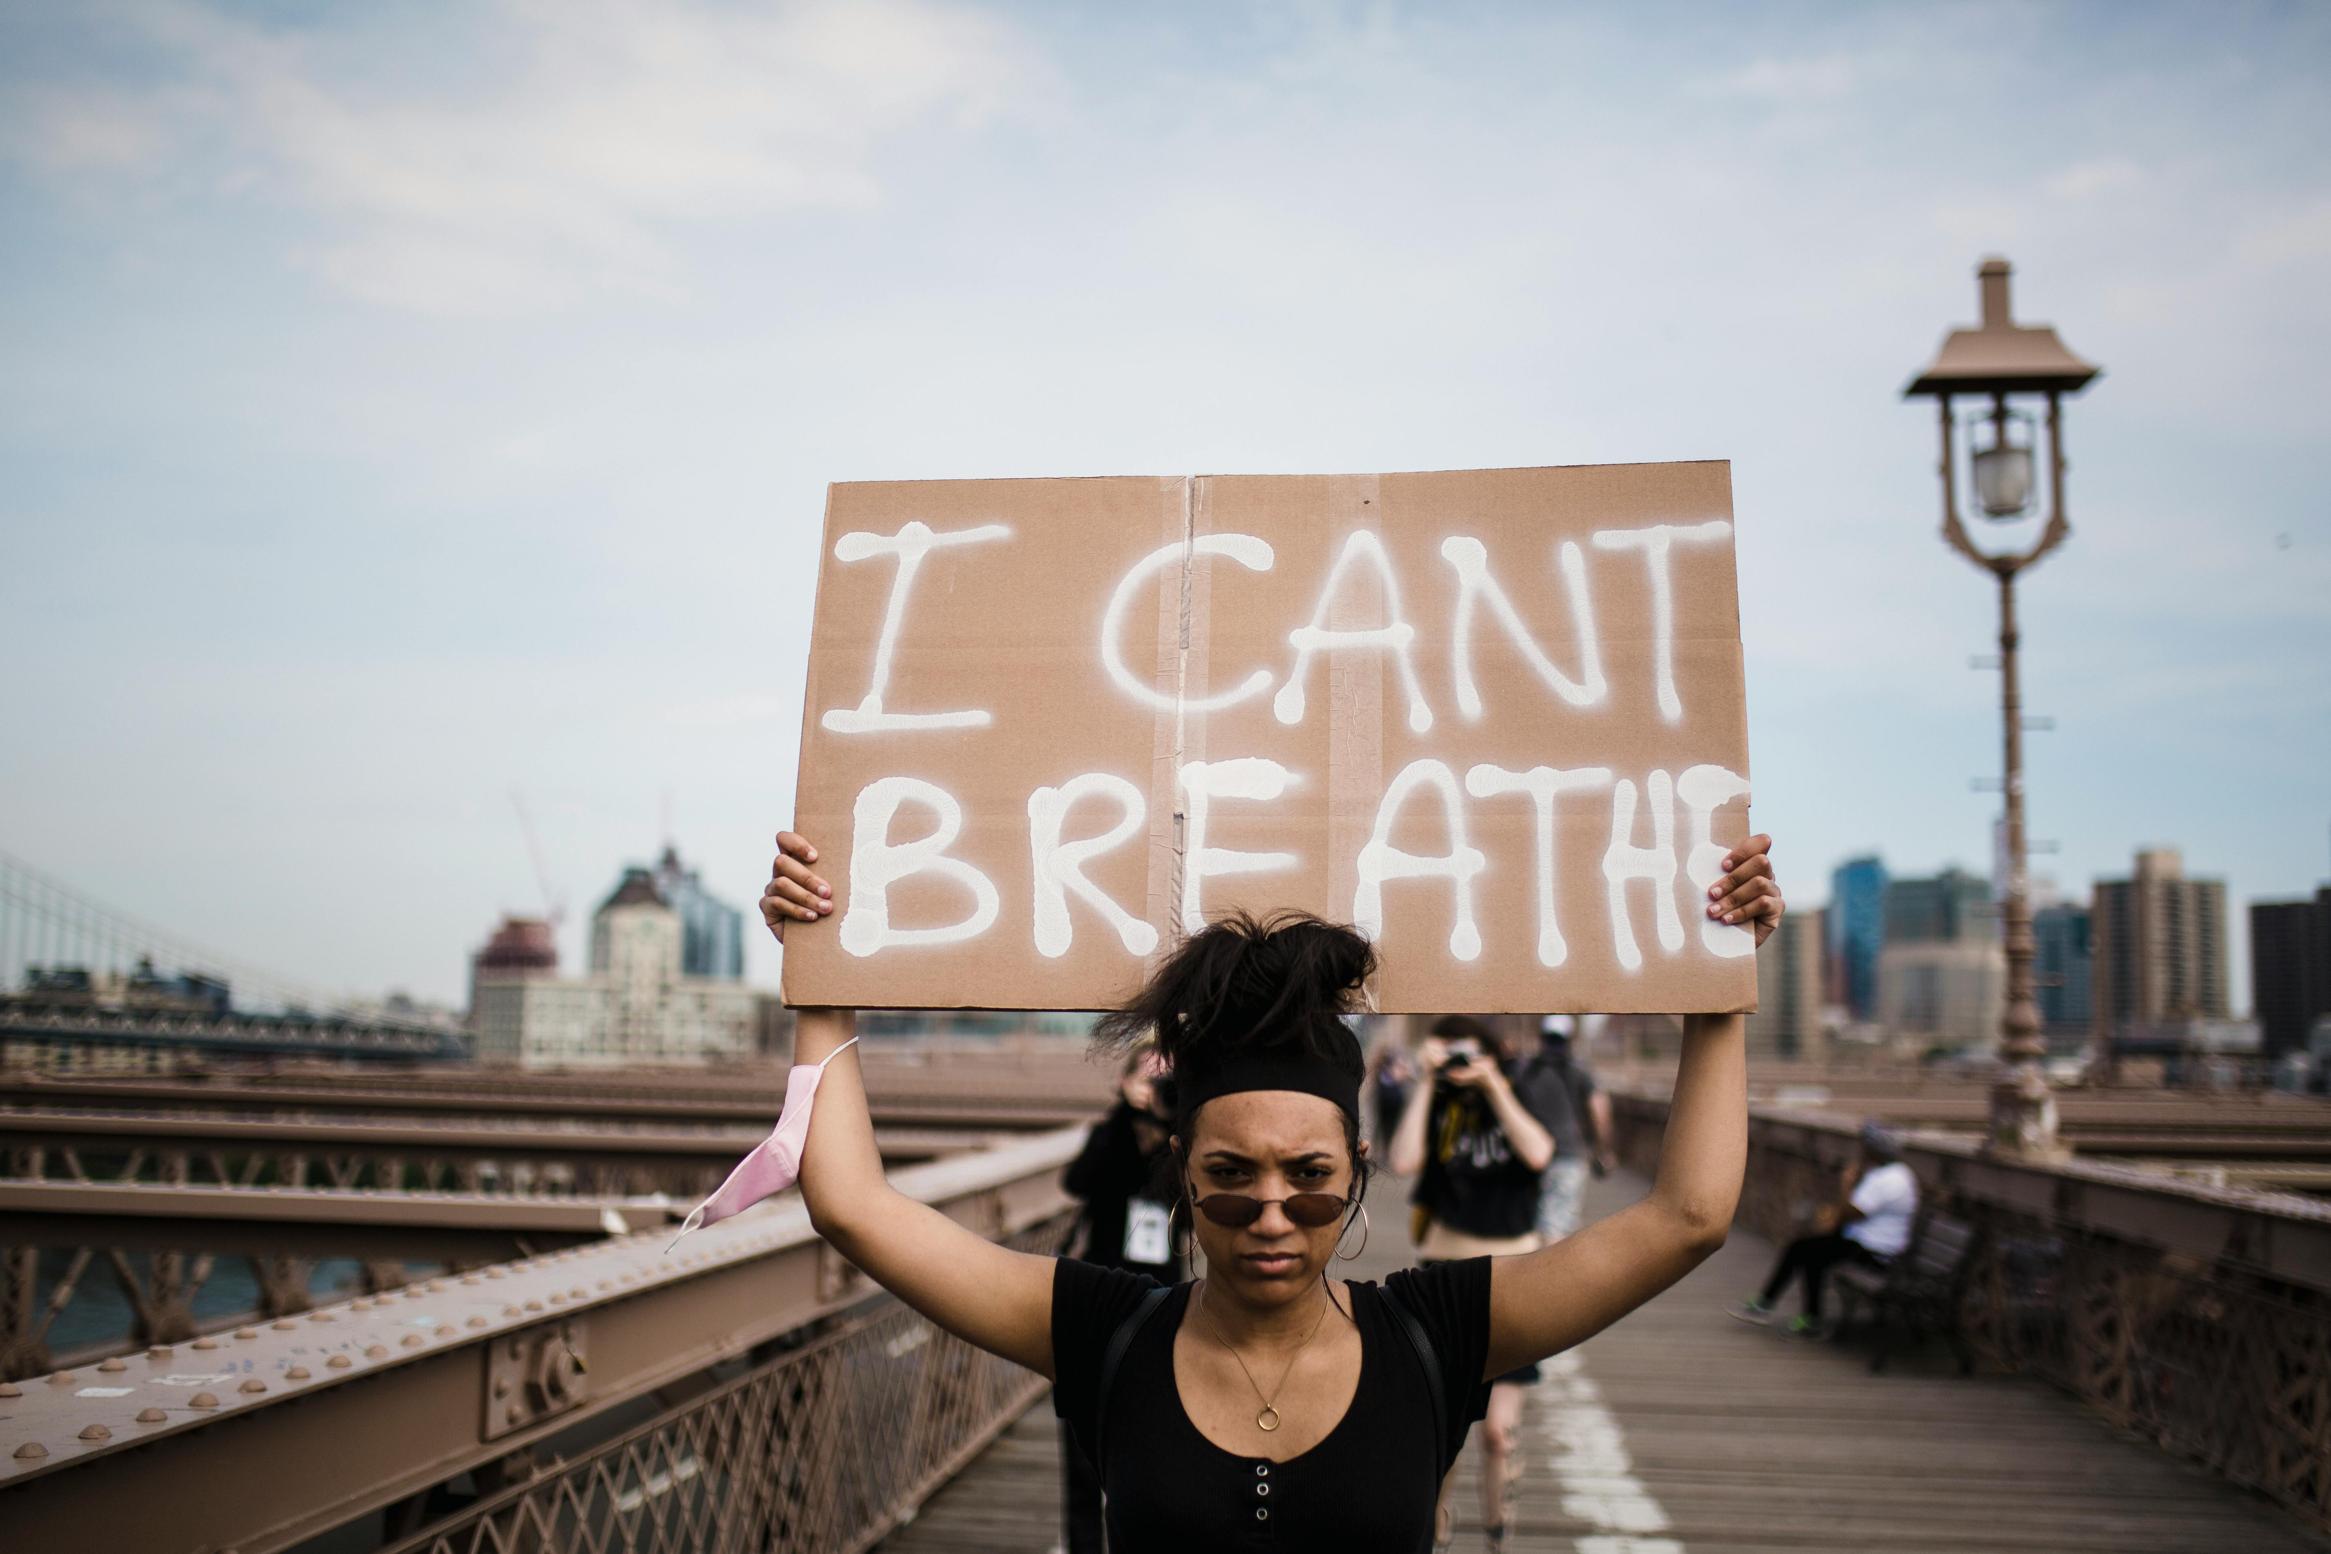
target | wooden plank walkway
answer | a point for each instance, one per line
(1680, 1431)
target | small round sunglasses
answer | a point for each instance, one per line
(1309, 1209)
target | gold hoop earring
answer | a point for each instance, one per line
(1355, 1254)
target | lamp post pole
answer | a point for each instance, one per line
(1996, 359)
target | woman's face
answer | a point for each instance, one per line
(1267, 1144)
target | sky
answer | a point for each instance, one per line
(407, 406)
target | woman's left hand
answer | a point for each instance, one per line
(1748, 893)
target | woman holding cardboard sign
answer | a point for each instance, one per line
(1268, 1404)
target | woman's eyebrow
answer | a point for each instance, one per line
(1228, 1157)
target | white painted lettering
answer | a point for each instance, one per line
(1541, 783)
(1475, 584)
(1380, 860)
(876, 864)
(1060, 865)
(1249, 552)
(1395, 634)
(1624, 861)
(1248, 777)
(1704, 790)
(910, 545)
(1655, 541)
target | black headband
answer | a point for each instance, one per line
(1282, 1065)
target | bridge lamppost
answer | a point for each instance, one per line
(1991, 364)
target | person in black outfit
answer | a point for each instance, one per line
(1268, 1405)
(1126, 1223)
(1477, 1145)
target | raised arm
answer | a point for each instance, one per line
(986, 1294)
(1407, 1150)
(1546, 1301)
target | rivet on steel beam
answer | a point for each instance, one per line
(375, 1351)
(60, 1378)
(412, 1341)
(287, 1325)
(252, 1384)
(339, 1362)
(510, 1415)
(534, 1305)
(496, 1273)
(477, 1321)
(556, 1299)
(469, 1278)
(113, 1366)
(96, 1432)
(296, 1373)
(319, 1316)
(501, 1386)
(512, 1311)
(31, 1451)
(9, 1389)
(606, 1284)
(206, 1343)
(158, 1352)
(579, 1293)
(152, 1416)
(203, 1400)
(246, 1333)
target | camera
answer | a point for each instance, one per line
(1462, 1050)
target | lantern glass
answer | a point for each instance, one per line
(2003, 466)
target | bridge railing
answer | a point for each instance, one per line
(2194, 1316)
(613, 1396)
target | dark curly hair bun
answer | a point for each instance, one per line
(1280, 982)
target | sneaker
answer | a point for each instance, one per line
(1808, 1327)
(1753, 1310)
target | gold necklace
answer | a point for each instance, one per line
(1268, 1419)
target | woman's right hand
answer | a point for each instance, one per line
(794, 893)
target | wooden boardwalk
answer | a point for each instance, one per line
(1680, 1431)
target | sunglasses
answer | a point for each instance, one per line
(1308, 1209)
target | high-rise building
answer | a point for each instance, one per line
(1951, 907)
(2290, 969)
(712, 936)
(2063, 971)
(1854, 928)
(1787, 1021)
(637, 1004)
(1944, 992)
(2159, 941)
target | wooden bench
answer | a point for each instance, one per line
(1917, 1293)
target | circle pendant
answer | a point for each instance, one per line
(1267, 1420)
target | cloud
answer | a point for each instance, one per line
(1814, 76)
(2098, 175)
(581, 135)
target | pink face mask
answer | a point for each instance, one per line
(775, 1162)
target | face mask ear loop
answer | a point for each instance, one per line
(695, 1219)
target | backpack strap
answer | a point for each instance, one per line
(1114, 1355)
(1422, 1343)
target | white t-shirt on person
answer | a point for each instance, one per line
(1888, 1200)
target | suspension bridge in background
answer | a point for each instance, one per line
(85, 985)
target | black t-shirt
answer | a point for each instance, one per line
(1472, 1181)
(1367, 1488)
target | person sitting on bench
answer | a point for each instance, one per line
(1871, 1227)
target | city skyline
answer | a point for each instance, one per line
(411, 406)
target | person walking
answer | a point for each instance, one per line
(1870, 1225)
(1125, 1222)
(1266, 1402)
(1478, 1144)
(1586, 1149)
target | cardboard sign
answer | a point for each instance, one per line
(1495, 718)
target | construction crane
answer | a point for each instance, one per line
(554, 907)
